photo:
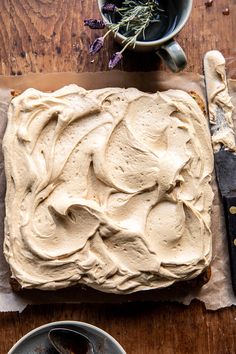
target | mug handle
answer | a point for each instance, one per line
(173, 56)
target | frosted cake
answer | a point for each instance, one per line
(109, 188)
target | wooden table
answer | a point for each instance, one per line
(48, 35)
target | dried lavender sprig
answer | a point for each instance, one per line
(109, 8)
(96, 46)
(94, 24)
(115, 59)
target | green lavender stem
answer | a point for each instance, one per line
(135, 18)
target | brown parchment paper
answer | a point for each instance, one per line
(217, 293)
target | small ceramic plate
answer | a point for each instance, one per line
(36, 341)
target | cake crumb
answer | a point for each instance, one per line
(226, 11)
(209, 3)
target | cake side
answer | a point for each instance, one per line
(108, 188)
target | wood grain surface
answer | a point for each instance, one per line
(47, 36)
(141, 329)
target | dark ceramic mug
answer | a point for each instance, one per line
(165, 47)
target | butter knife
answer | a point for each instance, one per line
(220, 111)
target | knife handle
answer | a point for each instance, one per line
(230, 218)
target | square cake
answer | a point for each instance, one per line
(109, 188)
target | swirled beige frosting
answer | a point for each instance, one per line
(219, 101)
(108, 188)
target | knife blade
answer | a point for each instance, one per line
(220, 111)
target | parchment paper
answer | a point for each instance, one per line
(217, 293)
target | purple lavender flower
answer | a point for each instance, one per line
(96, 46)
(115, 59)
(109, 8)
(94, 24)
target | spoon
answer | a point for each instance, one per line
(67, 341)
